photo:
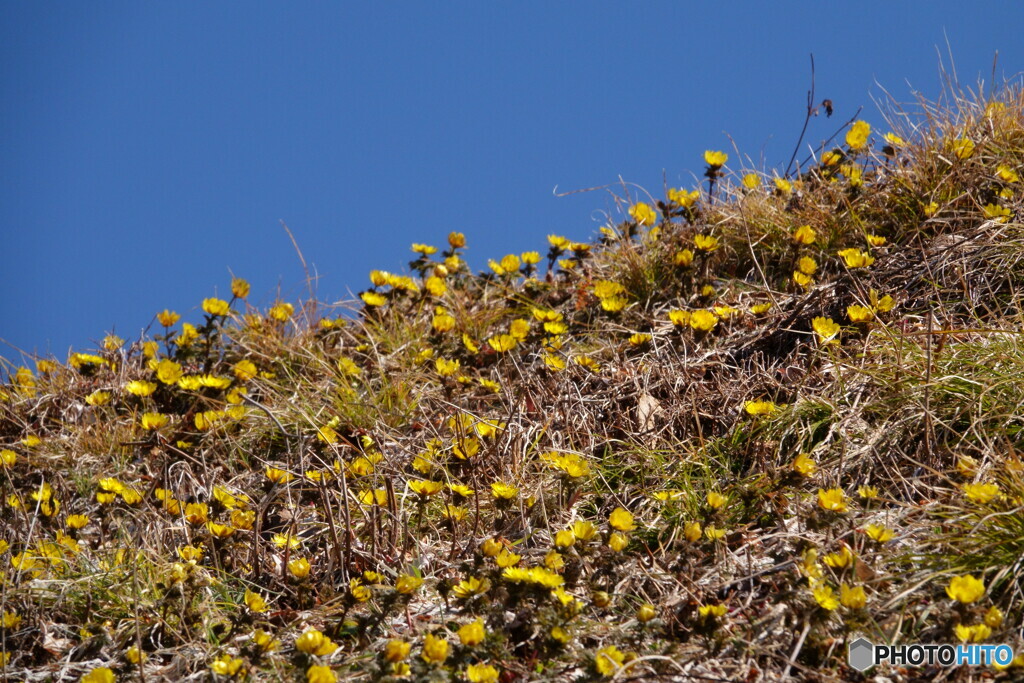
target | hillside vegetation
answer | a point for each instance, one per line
(746, 424)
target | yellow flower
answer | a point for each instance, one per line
(692, 531)
(614, 304)
(608, 660)
(852, 598)
(646, 612)
(425, 488)
(472, 633)
(832, 499)
(358, 591)
(638, 339)
(471, 587)
(226, 665)
(482, 673)
(825, 596)
(643, 214)
(683, 258)
(679, 318)
(456, 240)
(435, 650)
(153, 421)
(255, 602)
(972, 634)
(1007, 174)
(502, 342)
(703, 320)
(756, 408)
(373, 298)
(134, 655)
(805, 234)
(10, 620)
(299, 568)
(963, 148)
(239, 287)
(584, 530)
(99, 675)
(215, 306)
(761, 308)
(407, 584)
(446, 368)
(509, 263)
(505, 559)
(504, 491)
(993, 617)
(140, 387)
(396, 650)
(167, 318)
(867, 492)
(714, 533)
(424, 249)
(435, 285)
(320, 674)
(844, 558)
(564, 539)
(965, 589)
(519, 329)
(606, 289)
(313, 642)
(111, 343)
(802, 279)
(715, 159)
(855, 258)
(981, 493)
(878, 532)
(807, 265)
(825, 328)
(994, 212)
(705, 242)
(618, 541)
(875, 240)
(98, 398)
(930, 209)
(715, 499)
(683, 198)
(76, 521)
(168, 372)
(281, 312)
(751, 181)
(245, 370)
(442, 321)
(278, 476)
(894, 140)
(712, 611)
(621, 519)
(859, 314)
(831, 158)
(857, 136)
(558, 243)
(783, 185)
(804, 465)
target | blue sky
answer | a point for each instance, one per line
(148, 150)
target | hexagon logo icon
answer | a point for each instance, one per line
(862, 654)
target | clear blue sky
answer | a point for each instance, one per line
(148, 148)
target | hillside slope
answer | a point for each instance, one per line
(749, 423)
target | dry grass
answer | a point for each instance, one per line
(311, 432)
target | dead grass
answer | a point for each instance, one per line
(539, 439)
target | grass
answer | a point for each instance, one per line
(643, 456)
